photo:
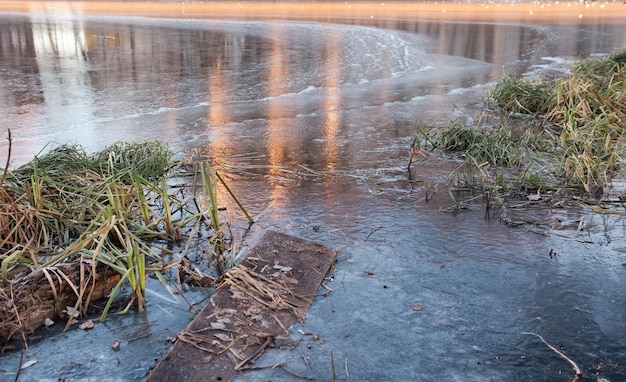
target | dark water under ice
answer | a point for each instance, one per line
(311, 123)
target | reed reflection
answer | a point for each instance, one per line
(217, 87)
(18, 58)
(279, 143)
(60, 53)
(332, 101)
(505, 43)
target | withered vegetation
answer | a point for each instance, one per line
(544, 136)
(76, 227)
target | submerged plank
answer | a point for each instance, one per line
(258, 300)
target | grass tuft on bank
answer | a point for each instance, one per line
(550, 134)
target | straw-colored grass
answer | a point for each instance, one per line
(571, 135)
(56, 198)
(590, 110)
(105, 208)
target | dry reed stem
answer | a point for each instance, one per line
(254, 290)
(45, 293)
(6, 167)
(256, 353)
(273, 298)
(196, 340)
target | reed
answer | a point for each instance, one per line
(221, 250)
(496, 146)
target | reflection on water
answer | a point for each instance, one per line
(332, 102)
(94, 82)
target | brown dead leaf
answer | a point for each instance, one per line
(86, 325)
(416, 308)
(71, 312)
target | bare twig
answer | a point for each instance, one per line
(19, 320)
(19, 367)
(415, 151)
(579, 375)
(282, 366)
(372, 232)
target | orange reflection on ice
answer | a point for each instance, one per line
(331, 104)
(572, 12)
(278, 144)
(217, 89)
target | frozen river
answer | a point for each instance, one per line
(311, 116)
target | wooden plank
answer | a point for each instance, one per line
(257, 300)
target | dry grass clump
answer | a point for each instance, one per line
(571, 136)
(590, 111)
(106, 208)
(57, 197)
(67, 206)
(523, 95)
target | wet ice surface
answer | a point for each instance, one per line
(77, 355)
(202, 82)
(479, 284)
(339, 105)
(95, 81)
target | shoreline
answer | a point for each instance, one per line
(566, 13)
